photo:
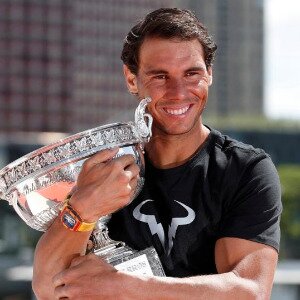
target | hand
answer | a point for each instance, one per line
(104, 184)
(88, 277)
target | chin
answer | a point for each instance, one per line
(175, 131)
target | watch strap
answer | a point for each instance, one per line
(72, 220)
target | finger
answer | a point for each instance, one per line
(134, 186)
(132, 174)
(65, 277)
(100, 157)
(61, 292)
(133, 182)
(59, 279)
(127, 193)
(77, 260)
(134, 169)
(122, 162)
(84, 258)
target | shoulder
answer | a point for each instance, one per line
(237, 164)
(250, 191)
(229, 152)
(232, 147)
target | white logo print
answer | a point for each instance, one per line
(157, 228)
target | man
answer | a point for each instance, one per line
(228, 246)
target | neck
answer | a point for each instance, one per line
(168, 151)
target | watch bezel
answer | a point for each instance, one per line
(69, 213)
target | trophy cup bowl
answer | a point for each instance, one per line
(37, 184)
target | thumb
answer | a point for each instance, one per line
(77, 260)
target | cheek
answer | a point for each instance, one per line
(204, 83)
(201, 94)
(202, 87)
(153, 91)
(146, 88)
(151, 106)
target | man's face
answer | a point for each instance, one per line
(173, 73)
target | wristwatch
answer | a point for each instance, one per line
(71, 219)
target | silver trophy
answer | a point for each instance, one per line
(37, 184)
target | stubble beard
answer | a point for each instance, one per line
(160, 129)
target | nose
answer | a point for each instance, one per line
(176, 89)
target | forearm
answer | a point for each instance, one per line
(219, 286)
(54, 252)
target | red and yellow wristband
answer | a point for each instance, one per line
(71, 219)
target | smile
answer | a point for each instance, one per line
(177, 112)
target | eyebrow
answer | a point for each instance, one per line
(200, 68)
(155, 72)
(162, 71)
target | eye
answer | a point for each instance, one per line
(191, 74)
(160, 76)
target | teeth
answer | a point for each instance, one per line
(177, 111)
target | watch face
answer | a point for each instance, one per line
(68, 220)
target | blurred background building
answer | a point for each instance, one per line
(237, 27)
(61, 68)
(60, 73)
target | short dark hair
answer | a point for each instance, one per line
(166, 23)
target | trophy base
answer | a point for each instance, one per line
(123, 258)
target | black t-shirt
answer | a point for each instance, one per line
(227, 189)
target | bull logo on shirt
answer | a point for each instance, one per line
(157, 228)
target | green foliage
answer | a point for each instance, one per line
(290, 220)
(251, 122)
(290, 181)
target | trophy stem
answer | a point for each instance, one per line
(114, 252)
(122, 257)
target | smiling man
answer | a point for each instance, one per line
(210, 205)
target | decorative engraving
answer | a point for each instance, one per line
(12, 175)
(7, 179)
(21, 170)
(81, 145)
(33, 164)
(2, 186)
(45, 218)
(27, 174)
(110, 135)
(97, 139)
(65, 151)
(48, 158)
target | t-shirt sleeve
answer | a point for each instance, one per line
(253, 211)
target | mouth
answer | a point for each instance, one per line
(177, 111)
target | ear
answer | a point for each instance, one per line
(210, 76)
(131, 80)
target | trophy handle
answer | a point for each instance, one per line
(14, 202)
(143, 121)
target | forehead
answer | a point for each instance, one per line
(170, 51)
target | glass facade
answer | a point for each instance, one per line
(60, 67)
(35, 65)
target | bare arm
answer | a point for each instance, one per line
(246, 271)
(54, 252)
(94, 197)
